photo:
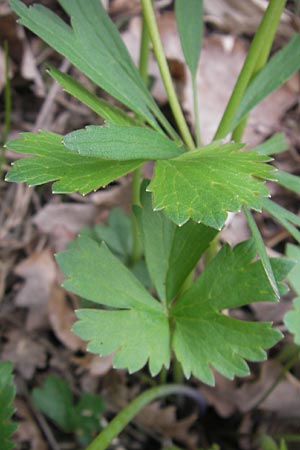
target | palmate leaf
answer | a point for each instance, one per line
(171, 252)
(7, 394)
(94, 46)
(135, 325)
(207, 183)
(203, 337)
(120, 143)
(137, 328)
(104, 109)
(54, 162)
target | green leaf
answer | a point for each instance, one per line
(275, 144)
(207, 183)
(204, 338)
(93, 44)
(278, 70)
(288, 181)
(103, 108)
(261, 250)
(286, 218)
(134, 326)
(190, 26)
(292, 320)
(283, 445)
(115, 142)
(171, 252)
(55, 400)
(293, 252)
(54, 162)
(7, 395)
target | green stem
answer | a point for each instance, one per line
(196, 112)
(119, 422)
(136, 181)
(258, 52)
(149, 16)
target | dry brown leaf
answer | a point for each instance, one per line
(28, 434)
(95, 364)
(25, 352)
(30, 71)
(221, 396)
(238, 17)
(63, 221)
(39, 272)
(61, 317)
(164, 421)
(284, 400)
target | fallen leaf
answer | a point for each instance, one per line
(63, 221)
(62, 317)
(221, 396)
(39, 272)
(28, 434)
(27, 353)
(284, 400)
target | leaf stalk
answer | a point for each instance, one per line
(149, 16)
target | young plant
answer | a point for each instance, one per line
(177, 214)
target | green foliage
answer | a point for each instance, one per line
(55, 400)
(121, 143)
(171, 252)
(7, 395)
(190, 28)
(207, 183)
(137, 327)
(103, 108)
(278, 70)
(292, 317)
(92, 33)
(53, 162)
(286, 218)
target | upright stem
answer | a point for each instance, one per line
(258, 53)
(119, 422)
(149, 15)
(136, 180)
(196, 112)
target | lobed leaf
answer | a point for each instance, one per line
(171, 252)
(103, 108)
(69, 171)
(206, 184)
(204, 338)
(7, 394)
(293, 252)
(93, 44)
(135, 325)
(278, 70)
(116, 142)
(55, 399)
(190, 26)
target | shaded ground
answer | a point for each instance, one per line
(36, 313)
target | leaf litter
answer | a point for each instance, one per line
(33, 227)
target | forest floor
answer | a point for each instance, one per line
(36, 314)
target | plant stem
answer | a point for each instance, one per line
(120, 421)
(136, 180)
(258, 52)
(196, 112)
(149, 16)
